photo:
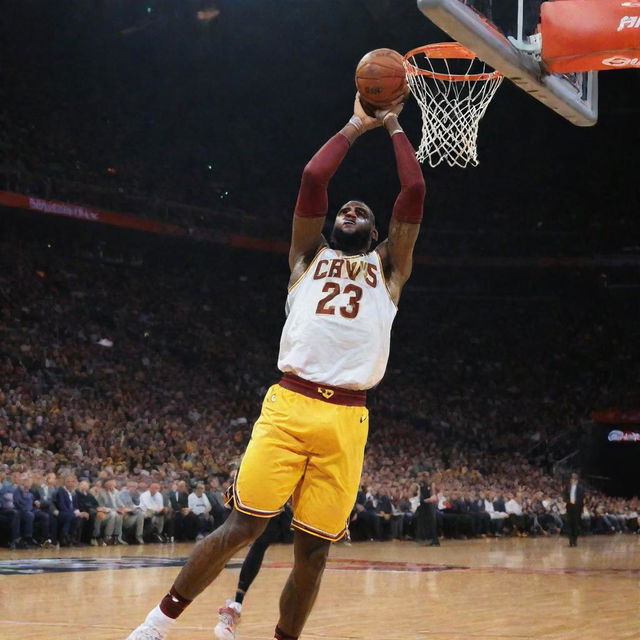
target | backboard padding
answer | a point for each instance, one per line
(575, 97)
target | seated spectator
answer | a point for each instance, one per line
(585, 519)
(92, 513)
(45, 494)
(379, 506)
(561, 508)
(617, 510)
(9, 514)
(109, 499)
(133, 515)
(517, 518)
(480, 519)
(447, 514)
(411, 504)
(498, 517)
(67, 512)
(217, 502)
(537, 515)
(397, 521)
(362, 521)
(553, 512)
(199, 505)
(456, 518)
(154, 510)
(611, 518)
(30, 516)
(631, 517)
(185, 521)
(36, 485)
(168, 486)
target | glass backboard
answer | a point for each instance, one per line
(502, 33)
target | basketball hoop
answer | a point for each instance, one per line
(453, 88)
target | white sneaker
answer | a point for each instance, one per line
(155, 627)
(229, 616)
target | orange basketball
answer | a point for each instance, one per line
(381, 78)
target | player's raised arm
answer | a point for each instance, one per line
(397, 251)
(312, 204)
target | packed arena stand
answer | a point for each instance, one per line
(127, 396)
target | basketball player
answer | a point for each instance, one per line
(309, 439)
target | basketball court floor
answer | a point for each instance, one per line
(482, 589)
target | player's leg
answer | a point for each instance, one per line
(301, 589)
(259, 492)
(211, 554)
(322, 504)
(206, 561)
(229, 614)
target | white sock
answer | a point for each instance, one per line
(160, 619)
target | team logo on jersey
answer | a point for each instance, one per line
(326, 393)
(356, 270)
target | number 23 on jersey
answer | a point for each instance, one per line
(350, 310)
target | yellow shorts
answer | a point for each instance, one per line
(307, 448)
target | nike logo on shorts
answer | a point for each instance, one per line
(363, 418)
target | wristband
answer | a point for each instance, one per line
(356, 122)
(384, 120)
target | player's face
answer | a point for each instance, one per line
(354, 228)
(353, 216)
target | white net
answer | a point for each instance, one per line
(452, 103)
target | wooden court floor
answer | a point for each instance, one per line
(477, 589)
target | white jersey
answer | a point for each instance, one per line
(339, 317)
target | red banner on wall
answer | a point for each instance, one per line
(89, 214)
(616, 416)
(217, 236)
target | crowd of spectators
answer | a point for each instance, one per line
(58, 510)
(468, 505)
(127, 396)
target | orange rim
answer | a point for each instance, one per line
(447, 51)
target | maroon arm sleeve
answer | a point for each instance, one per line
(410, 201)
(313, 201)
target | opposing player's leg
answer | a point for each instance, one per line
(251, 565)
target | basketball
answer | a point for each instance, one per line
(381, 78)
